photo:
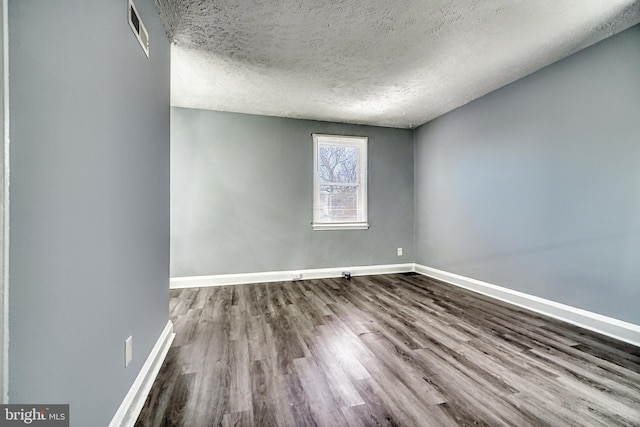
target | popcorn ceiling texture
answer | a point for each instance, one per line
(397, 63)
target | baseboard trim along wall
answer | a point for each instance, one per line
(618, 329)
(285, 276)
(614, 328)
(133, 402)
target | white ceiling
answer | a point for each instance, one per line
(397, 63)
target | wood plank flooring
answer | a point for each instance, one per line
(393, 350)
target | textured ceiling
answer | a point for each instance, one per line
(397, 63)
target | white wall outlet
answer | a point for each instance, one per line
(128, 351)
(399, 251)
(296, 276)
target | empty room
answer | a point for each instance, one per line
(347, 213)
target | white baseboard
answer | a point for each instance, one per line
(283, 276)
(131, 406)
(618, 329)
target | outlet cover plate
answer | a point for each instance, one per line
(128, 351)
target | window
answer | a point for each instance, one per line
(339, 182)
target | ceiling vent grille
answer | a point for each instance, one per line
(138, 28)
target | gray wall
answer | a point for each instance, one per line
(89, 249)
(241, 196)
(536, 187)
(3, 276)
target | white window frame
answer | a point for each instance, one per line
(360, 143)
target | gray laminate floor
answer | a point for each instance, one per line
(400, 350)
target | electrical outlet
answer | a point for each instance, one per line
(296, 276)
(399, 251)
(128, 351)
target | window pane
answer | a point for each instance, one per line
(339, 203)
(339, 182)
(338, 164)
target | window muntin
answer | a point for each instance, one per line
(340, 182)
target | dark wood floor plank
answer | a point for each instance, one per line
(394, 350)
(171, 394)
(625, 376)
(340, 367)
(237, 323)
(301, 406)
(378, 405)
(304, 324)
(256, 339)
(364, 416)
(285, 343)
(330, 352)
(603, 402)
(337, 335)
(238, 419)
(324, 407)
(188, 325)
(240, 376)
(396, 370)
(520, 363)
(594, 376)
(358, 324)
(549, 414)
(271, 405)
(339, 384)
(252, 300)
(401, 404)
(314, 314)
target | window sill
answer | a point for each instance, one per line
(343, 226)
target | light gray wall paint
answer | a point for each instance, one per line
(536, 187)
(4, 346)
(89, 250)
(241, 196)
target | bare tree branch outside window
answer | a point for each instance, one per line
(338, 173)
(339, 182)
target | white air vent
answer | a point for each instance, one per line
(138, 28)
